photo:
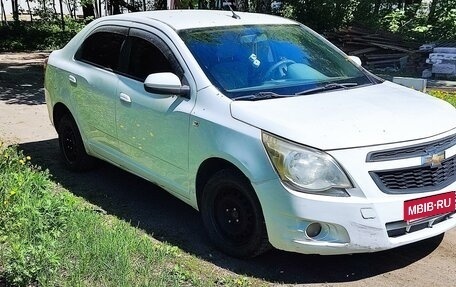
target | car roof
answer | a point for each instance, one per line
(190, 19)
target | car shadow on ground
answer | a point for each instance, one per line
(168, 219)
(22, 83)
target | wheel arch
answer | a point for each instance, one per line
(59, 111)
(255, 241)
(207, 169)
(72, 146)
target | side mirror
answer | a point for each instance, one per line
(167, 84)
(356, 59)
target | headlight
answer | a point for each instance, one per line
(306, 169)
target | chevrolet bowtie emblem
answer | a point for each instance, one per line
(434, 159)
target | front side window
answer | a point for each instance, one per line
(102, 49)
(283, 59)
(146, 59)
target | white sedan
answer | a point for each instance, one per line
(277, 137)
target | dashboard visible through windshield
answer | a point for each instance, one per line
(280, 59)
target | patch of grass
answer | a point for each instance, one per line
(444, 95)
(49, 237)
(31, 220)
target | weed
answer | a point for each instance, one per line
(444, 95)
(49, 237)
(31, 220)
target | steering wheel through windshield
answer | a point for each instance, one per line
(280, 67)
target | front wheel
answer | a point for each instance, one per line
(232, 215)
(72, 147)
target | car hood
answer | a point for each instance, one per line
(371, 115)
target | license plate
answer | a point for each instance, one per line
(429, 206)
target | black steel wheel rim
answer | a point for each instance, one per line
(68, 142)
(234, 216)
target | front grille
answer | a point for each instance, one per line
(416, 179)
(412, 151)
(399, 228)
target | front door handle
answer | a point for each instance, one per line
(125, 98)
(72, 79)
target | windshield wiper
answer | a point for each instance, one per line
(261, 96)
(330, 86)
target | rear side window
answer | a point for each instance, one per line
(102, 49)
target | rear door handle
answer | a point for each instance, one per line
(125, 98)
(72, 79)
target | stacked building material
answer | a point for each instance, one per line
(378, 49)
(443, 61)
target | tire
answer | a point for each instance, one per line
(72, 147)
(232, 215)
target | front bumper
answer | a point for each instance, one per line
(369, 220)
(350, 225)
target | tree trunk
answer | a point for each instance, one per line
(202, 4)
(68, 6)
(107, 7)
(71, 9)
(88, 10)
(29, 10)
(411, 8)
(243, 5)
(61, 15)
(431, 18)
(53, 7)
(95, 9)
(15, 8)
(115, 7)
(377, 7)
(3, 13)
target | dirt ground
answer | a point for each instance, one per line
(24, 120)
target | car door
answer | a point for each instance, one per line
(153, 128)
(94, 85)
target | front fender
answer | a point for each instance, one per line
(214, 133)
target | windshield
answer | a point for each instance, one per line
(283, 59)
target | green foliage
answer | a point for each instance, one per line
(444, 95)
(414, 21)
(320, 15)
(160, 5)
(49, 237)
(422, 20)
(31, 220)
(395, 20)
(235, 282)
(186, 4)
(38, 35)
(444, 27)
(287, 11)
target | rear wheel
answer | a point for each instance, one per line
(232, 215)
(72, 147)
